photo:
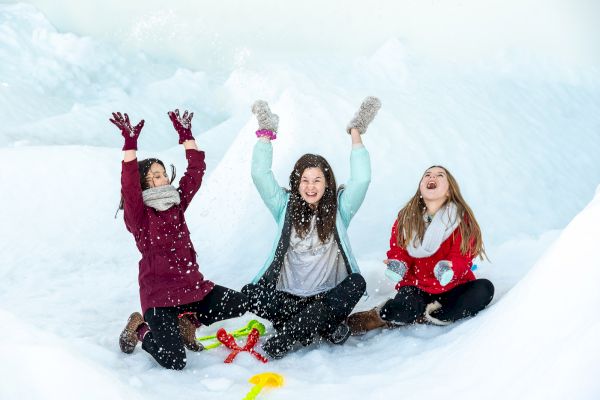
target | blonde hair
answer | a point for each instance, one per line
(410, 223)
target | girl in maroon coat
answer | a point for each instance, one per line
(434, 240)
(171, 285)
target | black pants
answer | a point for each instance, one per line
(462, 301)
(303, 317)
(164, 342)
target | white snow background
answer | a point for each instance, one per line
(504, 94)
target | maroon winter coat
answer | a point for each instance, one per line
(168, 272)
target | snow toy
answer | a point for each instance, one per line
(229, 341)
(252, 324)
(266, 379)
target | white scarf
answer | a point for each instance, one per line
(442, 225)
(161, 198)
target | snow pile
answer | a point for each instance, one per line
(520, 136)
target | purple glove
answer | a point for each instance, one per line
(183, 124)
(130, 133)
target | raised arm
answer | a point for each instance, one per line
(273, 195)
(131, 190)
(192, 179)
(355, 189)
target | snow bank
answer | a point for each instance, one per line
(520, 135)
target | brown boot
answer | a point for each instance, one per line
(187, 330)
(128, 339)
(365, 321)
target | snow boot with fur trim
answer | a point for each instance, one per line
(129, 337)
(429, 318)
(365, 321)
(187, 330)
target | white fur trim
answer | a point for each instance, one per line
(431, 307)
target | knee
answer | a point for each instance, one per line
(178, 364)
(357, 283)
(406, 293)
(175, 360)
(485, 291)
(249, 289)
(408, 298)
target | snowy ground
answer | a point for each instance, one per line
(520, 133)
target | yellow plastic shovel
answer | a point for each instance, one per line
(260, 381)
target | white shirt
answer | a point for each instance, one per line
(311, 267)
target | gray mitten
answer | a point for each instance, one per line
(396, 270)
(443, 272)
(266, 119)
(365, 114)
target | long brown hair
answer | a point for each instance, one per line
(326, 210)
(410, 223)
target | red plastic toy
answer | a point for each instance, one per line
(229, 341)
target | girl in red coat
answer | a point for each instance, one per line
(171, 284)
(432, 246)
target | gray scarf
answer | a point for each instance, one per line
(442, 225)
(161, 198)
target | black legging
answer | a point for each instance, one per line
(303, 317)
(164, 342)
(462, 301)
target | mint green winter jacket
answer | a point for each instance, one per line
(350, 198)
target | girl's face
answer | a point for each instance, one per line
(434, 184)
(312, 185)
(157, 176)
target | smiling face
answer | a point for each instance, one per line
(434, 185)
(312, 185)
(157, 176)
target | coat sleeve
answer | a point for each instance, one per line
(355, 189)
(131, 190)
(397, 252)
(461, 263)
(192, 179)
(272, 194)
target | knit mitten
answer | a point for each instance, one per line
(443, 272)
(365, 114)
(267, 121)
(395, 270)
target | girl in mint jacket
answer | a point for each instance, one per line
(310, 282)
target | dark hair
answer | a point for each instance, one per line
(326, 210)
(143, 168)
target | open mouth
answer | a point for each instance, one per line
(431, 185)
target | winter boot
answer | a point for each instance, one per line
(365, 321)
(129, 338)
(187, 330)
(278, 345)
(430, 318)
(340, 334)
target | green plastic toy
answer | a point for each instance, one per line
(242, 332)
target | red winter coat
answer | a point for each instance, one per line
(420, 270)
(168, 272)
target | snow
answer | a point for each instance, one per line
(516, 120)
